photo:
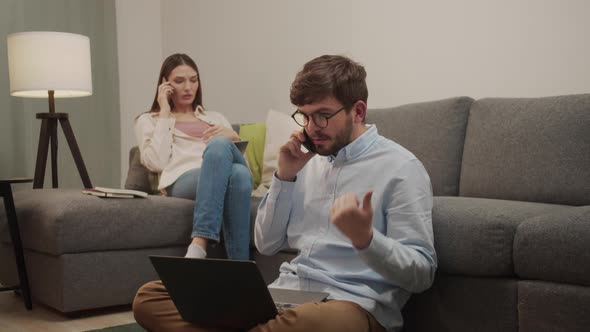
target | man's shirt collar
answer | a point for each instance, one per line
(356, 147)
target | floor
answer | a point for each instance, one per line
(15, 318)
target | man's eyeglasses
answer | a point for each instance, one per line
(319, 119)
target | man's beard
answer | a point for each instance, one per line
(342, 139)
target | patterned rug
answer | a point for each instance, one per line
(133, 327)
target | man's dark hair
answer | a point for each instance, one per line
(330, 75)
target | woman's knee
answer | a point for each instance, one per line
(241, 179)
(218, 145)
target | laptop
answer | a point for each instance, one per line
(241, 145)
(224, 293)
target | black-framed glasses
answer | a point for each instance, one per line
(318, 118)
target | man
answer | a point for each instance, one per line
(369, 257)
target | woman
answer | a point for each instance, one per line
(194, 154)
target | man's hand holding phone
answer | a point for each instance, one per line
(165, 91)
(308, 143)
(291, 158)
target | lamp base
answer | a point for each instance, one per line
(47, 135)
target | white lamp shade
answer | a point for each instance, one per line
(40, 61)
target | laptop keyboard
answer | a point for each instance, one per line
(284, 306)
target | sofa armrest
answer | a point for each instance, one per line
(138, 176)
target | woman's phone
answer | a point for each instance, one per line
(308, 143)
(170, 95)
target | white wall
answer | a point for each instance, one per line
(249, 51)
(416, 51)
(139, 44)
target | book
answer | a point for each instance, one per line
(114, 193)
(136, 193)
(103, 194)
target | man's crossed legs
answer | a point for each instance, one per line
(154, 310)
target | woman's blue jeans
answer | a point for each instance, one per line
(223, 188)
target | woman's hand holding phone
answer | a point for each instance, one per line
(291, 158)
(165, 91)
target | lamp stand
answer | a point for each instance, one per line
(48, 135)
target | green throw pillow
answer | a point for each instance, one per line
(255, 134)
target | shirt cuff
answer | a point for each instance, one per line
(280, 189)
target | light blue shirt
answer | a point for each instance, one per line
(400, 258)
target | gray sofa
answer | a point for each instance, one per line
(511, 216)
(511, 219)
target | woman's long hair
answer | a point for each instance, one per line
(168, 66)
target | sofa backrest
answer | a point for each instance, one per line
(528, 149)
(434, 132)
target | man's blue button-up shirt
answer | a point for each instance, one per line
(400, 258)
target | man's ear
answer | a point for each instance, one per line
(359, 111)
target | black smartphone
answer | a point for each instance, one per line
(170, 96)
(308, 143)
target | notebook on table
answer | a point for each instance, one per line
(224, 293)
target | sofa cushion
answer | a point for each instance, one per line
(59, 221)
(545, 306)
(82, 281)
(528, 149)
(434, 132)
(474, 236)
(554, 247)
(464, 304)
(279, 126)
(255, 133)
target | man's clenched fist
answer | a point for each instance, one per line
(353, 220)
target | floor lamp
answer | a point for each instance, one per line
(46, 64)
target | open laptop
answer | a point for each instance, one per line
(224, 293)
(241, 145)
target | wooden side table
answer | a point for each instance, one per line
(6, 193)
